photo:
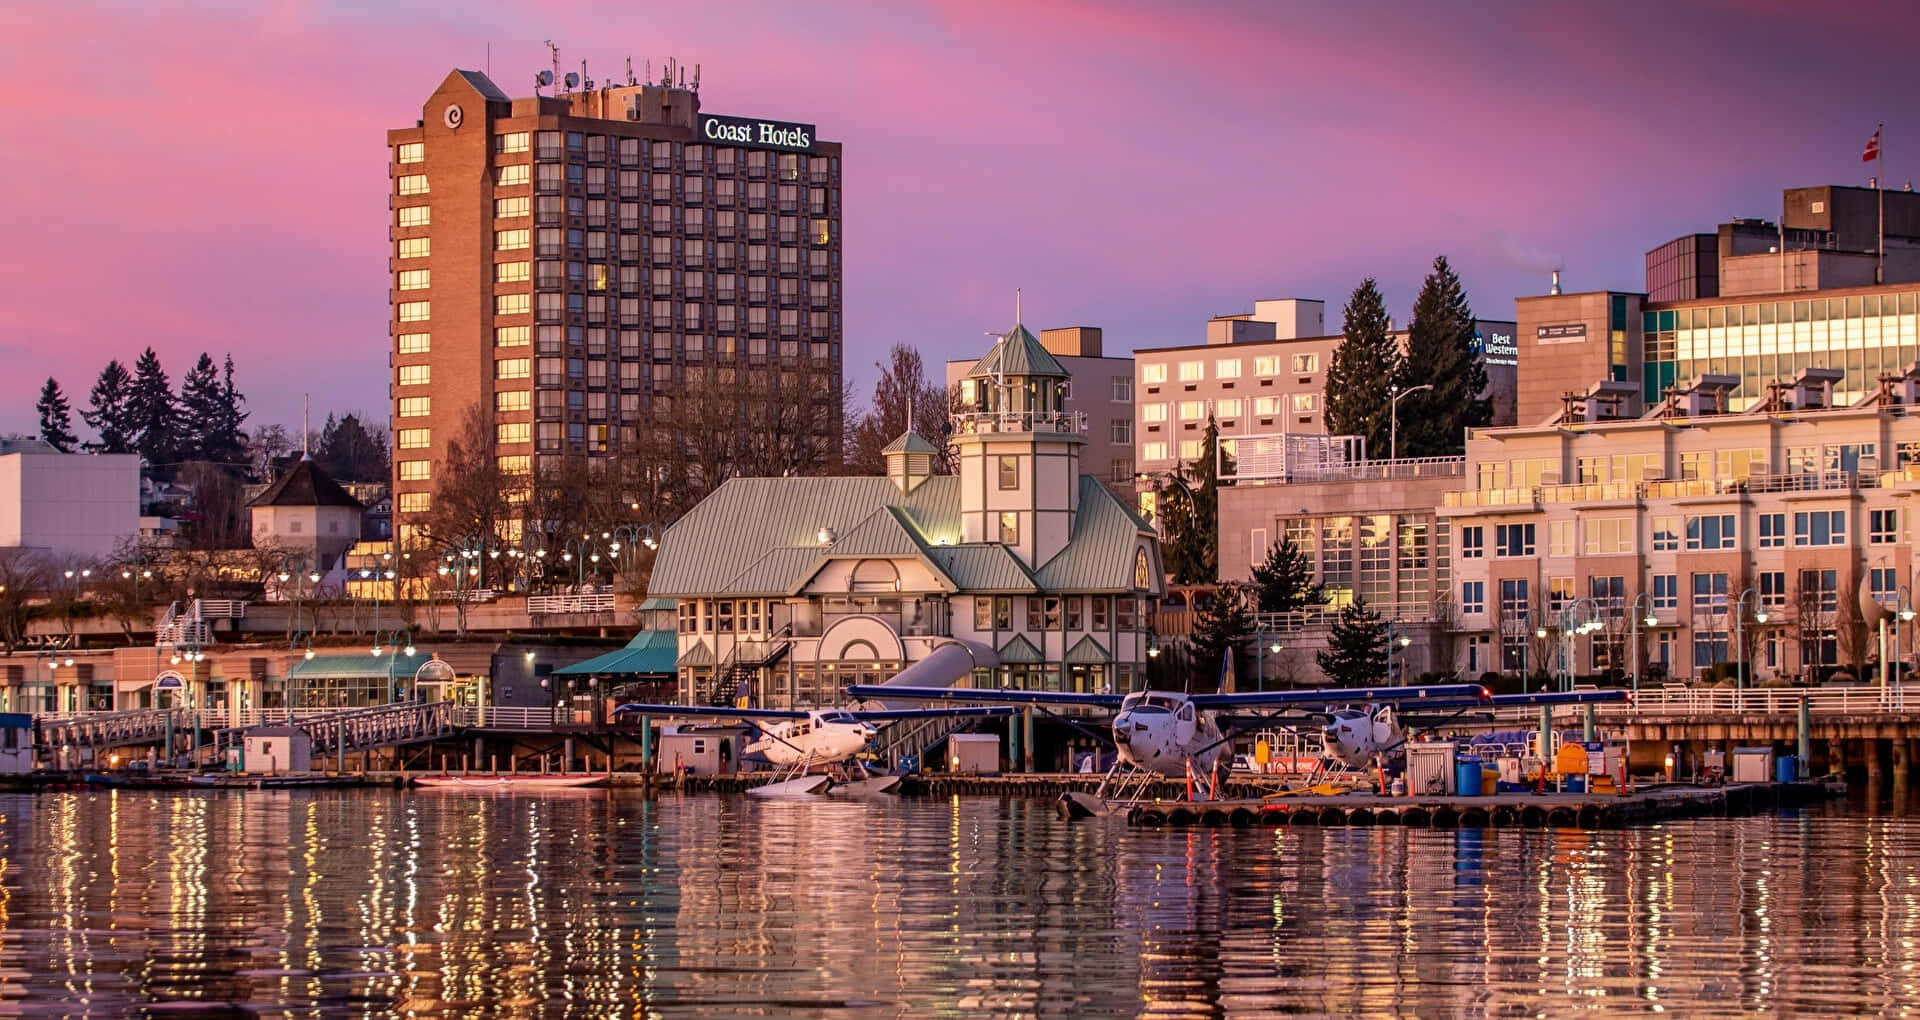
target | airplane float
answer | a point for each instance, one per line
(798, 741)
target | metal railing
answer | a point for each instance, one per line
(506, 717)
(588, 602)
(1326, 616)
(1674, 700)
(978, 422)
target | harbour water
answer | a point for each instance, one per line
(372, 902)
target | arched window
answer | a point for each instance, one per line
(875, 575)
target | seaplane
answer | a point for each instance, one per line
(813, 751)
(1179, 735)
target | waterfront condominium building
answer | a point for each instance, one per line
(1099, 389)
(565, 262)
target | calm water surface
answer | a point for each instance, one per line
(604, 903)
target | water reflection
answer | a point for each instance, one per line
(594, 902)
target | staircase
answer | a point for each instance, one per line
(917, 738)
(742, 667)
(190, 628)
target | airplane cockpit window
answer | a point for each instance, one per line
(1186, 712)
(1148, 709)
(838, 717)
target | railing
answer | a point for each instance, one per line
(1406, 467)
(978, 422)
(1588, 492)
(108, 729)
(378, 727)
(506, 717)
(591, 602)
(1287, 623)
(1701, 701)
(1492, 497)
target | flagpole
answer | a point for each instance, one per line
(1880, 267)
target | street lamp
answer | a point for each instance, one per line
(1571, 630)
(578, 551)
(1397, 644)
(1739, 646)
(1634, 620)
(402, 642)
(1393, 443)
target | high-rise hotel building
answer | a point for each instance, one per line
(563, 260)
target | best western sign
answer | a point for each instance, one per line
(755, 133)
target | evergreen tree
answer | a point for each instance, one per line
(1226, 623)
(1190, 514)
(1441, 352)
(111, 413)
(1360, 378)
(350, 452)
(1356, 652)
(154, 413)
(1284, 583)
(199, 410)
(231, 440)
(56, 418)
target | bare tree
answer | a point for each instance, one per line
(24, 577)
(903, 391)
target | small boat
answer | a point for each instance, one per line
(512, 781)
(871, 786)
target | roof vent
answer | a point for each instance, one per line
(826, 536)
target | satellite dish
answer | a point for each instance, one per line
(544, 78)
(572, 80)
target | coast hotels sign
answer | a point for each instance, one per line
(759, 134)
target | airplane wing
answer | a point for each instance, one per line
(888, 692)
(885, 715)
(1323, 696)
(706, 712)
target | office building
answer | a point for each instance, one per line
(74, 507)
(566, 263)
(1827, 237)
(1099, 390)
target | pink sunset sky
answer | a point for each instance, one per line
(212, 176)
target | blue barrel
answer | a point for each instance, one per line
(1786, 768)
(1466, 776)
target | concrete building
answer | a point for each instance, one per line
(1019, 571)
(1827, 237)
(566, 262)
(1261, 374)
(72, 506)
(312, 519)
(1099, 388)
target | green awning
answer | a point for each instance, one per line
(698, 655)
(1087, 652)
(649, 653)
(358, 667)
(1019, 650)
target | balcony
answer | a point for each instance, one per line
(1527, 498)
(983, 422)
(1590, 492)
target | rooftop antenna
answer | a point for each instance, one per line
(306, 426)
(1016, 306)
(555, 51)
(588, 82)
(629, 70)
(649, 77)
(543, 78)
(696, 88)
(1556, 282)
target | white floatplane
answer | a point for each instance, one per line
(814, 750)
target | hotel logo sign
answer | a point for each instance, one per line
(1570, 333)
(1497, 348)
(755, 133)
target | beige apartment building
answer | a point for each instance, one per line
(1099, 391)
(564, 262)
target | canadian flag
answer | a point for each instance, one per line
(1873, 148)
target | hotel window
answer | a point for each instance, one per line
(1820, 591)
(512, 208)
(1710, 531)
(1709, 648)
(512, 400)
(1710, 593)
(1559, 593)
(1559, 538)
(512, 368)
(1009, 528)
(1263, 406)
(413, 184)
(1121, 470)
(1513, 598)
(1666, 533)
(1473, 542)
(1009, 472)
(515, 304)
(512, 272)
(414, 343)
(513, 432)
(1608, 535)
(1043, 614)
(1226, 368)
(1883, 526)
(1773, 531)
(1228, 409)
(416, 375)
(416, 247)
(1151, 374)
(1306, 403)
(415, 502)
(411, 152)
(1190, 449)
(416, 407)
(512, 240)
(512, 141)
(416, 279)
(1153, 412)
(1820, 527)
(1192, 410)
(1306, 364)
(413, 439)
(517, 464)
(416, 311)
(1122, 432)
(512, 336)
(415, 470)
(508, 176)
(1473, 597)
(1666, 591)
(1884, 582)
(1773, 587)
(1513, 540)
(416, 215)
(1193, 371)
(1153, 451)
(1122, 388)
(1266, 366)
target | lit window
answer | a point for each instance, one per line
(1266, 366)
(1226, 368)
(414, 343)
(512, 272)
(411, 152)
(416, 279)
(512, 208)
(1153, 412)
(508, 176)
(416, 311)
(512, 336)
(1009, 472)
(1666, 533)
(1153, 451)
(1192, 410)
(416, 375)
(512, 368)
(512, 141)
(1150, 374)
(1010, 528)
(511, 240)
(1266, 405)
(512, 304)
(513, 432)
(413, 184)
(516, 465)
(415, 502)
(1306, 403)
(1306, 364)
(415, 470)
(416, 407)
(416, 215)
(416, 247)
(1228, 408)
(512, 400)
(1190, 449)
(1193, 371)
(413, 439)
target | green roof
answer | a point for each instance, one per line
(1087, 651)
(358, 666)
(650, 652)
(1091, 562)
(1019, 353)
(1019, 650)
(985, 567)
(655, 605)
(698, 655)
(910, 442)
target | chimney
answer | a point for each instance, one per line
(1556, 282)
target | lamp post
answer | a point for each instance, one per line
(1572, 627)
(401, 641)
(193, 656)
(627, 537)
(1739, 645)
(1397, 644)
(1260, 649)
(1634, 620)
(1904, 614)
(578, 551)
(1393, 430)
(1540, 633)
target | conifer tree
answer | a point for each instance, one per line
(110, 412)
(1225, 623)
(56, 418)
(1284, 582)
(1365, 365)
(232, 418)
(1190, 514)
(199, 410)
(1441, 351)
(153, 411)
(1356, 652)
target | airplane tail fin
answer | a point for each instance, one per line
(1226, 673)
